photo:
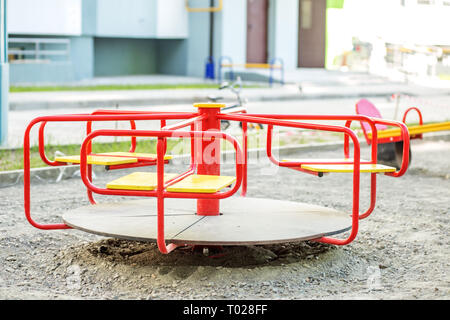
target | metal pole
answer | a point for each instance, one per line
(208, 158)
(211, 31)
(4, 75)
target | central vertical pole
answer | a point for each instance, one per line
(207, 153)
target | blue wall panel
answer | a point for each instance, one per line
(117, 56)
(43, 73)
(172, 57)
(82, 57)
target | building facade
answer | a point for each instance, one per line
(70, 40)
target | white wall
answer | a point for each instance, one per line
(234, 30)
(172, 19)
(283, 33)
(388, 20)
(44, 17)
(166, 19)
(121, 18)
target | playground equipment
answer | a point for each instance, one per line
(275, 64)
(391, 140)
(200, 206)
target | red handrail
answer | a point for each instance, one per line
(418, 112)
(77, 118)
(161, 134)
(160, 193)
(356, 163)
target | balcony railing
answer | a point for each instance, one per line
(38, 50)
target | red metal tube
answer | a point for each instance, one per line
(161, 134)
(132, 124)
(27, 185)
(41, 146)
(356, 165)
(373, 196)
(245, 148)
(244, 145)
(418, 112)
(293, 164)
(405, 138)
(373, 143)
(184, 123)
(74, 117)
(89, 150)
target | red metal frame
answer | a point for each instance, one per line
(160, 193)
(414, 136)
(394, 123)
(205, 135)
(76, 118)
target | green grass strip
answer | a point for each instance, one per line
(15, 89)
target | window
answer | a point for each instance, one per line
(306, 18)
(38, 50)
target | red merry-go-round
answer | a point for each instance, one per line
(200, 206)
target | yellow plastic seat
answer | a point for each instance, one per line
(145, 156)
(98, 160)
(202, 184)
(348, 168)
(146, 181)
(349, 160)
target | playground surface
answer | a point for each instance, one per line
(402, 251)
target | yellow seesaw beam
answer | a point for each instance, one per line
(414, 130)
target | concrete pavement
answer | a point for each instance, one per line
(302, 84)
(309, 91)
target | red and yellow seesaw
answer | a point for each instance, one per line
(390, 140)
(199, 206)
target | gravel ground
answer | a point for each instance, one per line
(401, 252)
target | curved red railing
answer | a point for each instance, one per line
(356, 164)
(161, 134)
(159, 192)
(77, 118)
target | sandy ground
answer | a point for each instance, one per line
(401, 252)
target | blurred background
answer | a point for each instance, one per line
(321, 43)
(69, 40)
